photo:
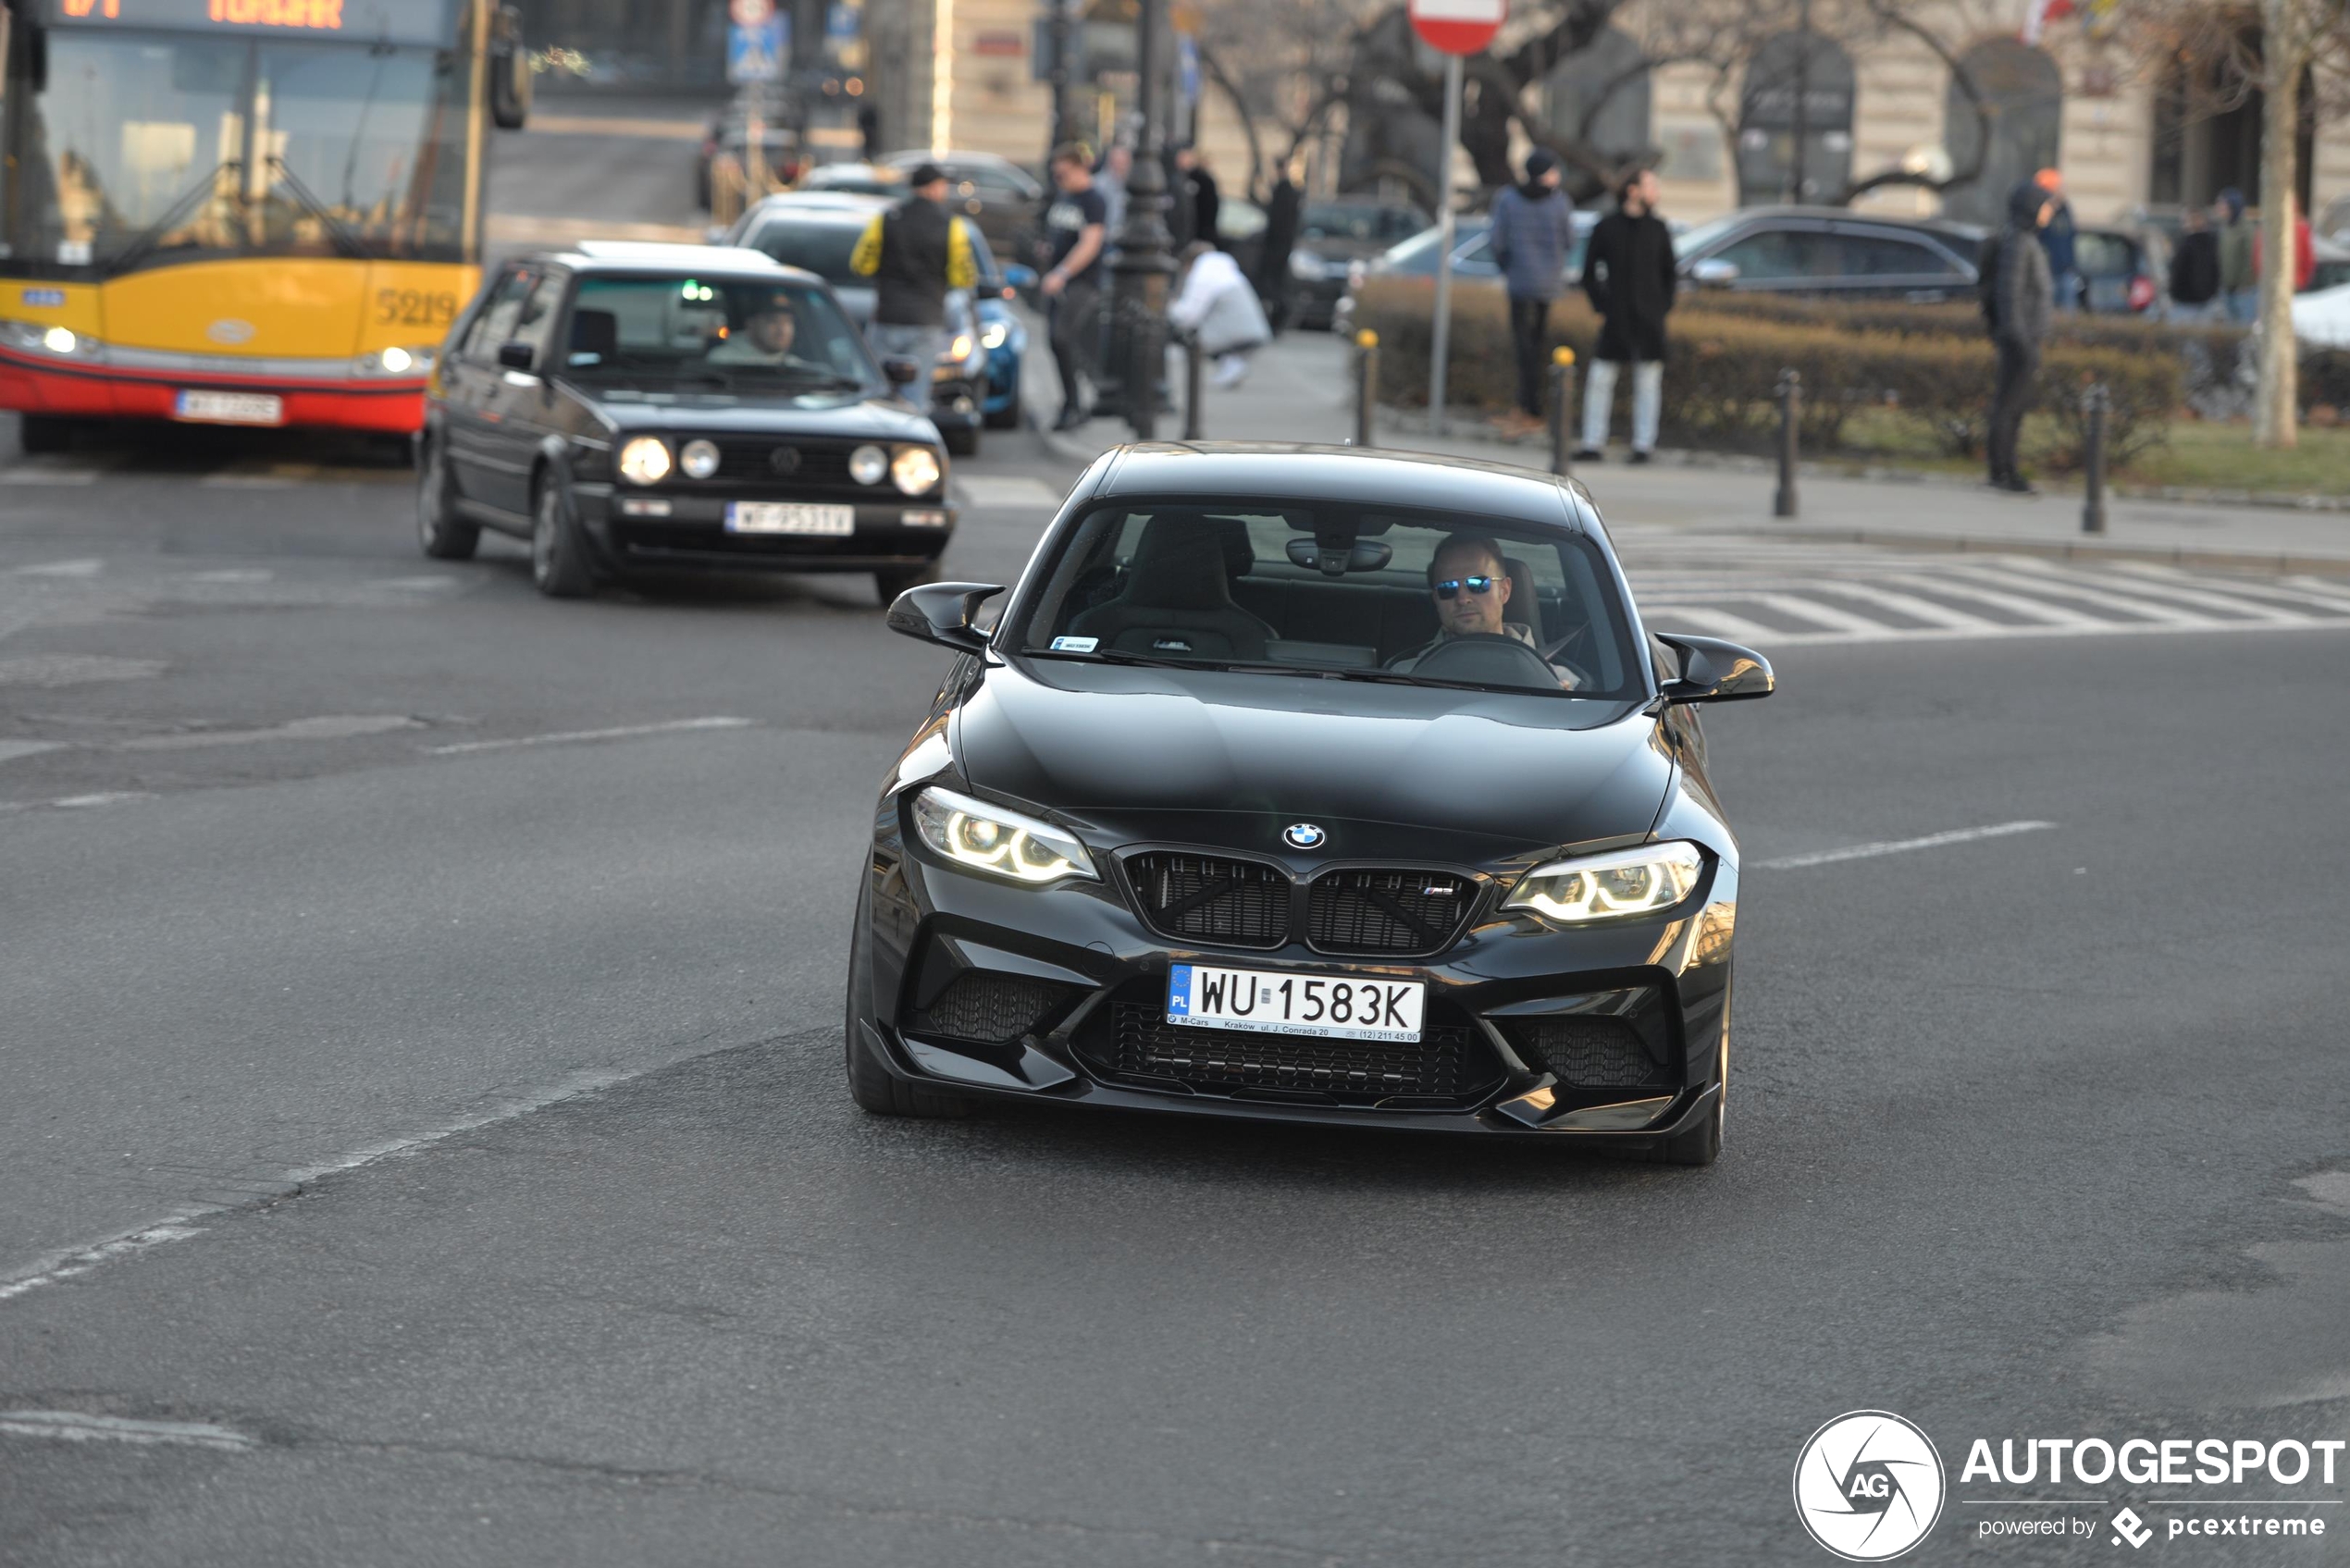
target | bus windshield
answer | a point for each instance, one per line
(148, 149)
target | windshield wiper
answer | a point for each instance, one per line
(146, 240)
(337, 230)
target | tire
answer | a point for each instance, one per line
(40, 434)
(558, 556)
(963, 440)
(1702, 1144)
(889, 585)
(876, 1090)
(443, 535)
(1008, 418)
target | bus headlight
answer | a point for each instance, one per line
(414, 359)
(915, 470)
(645, 461)
(54, 343)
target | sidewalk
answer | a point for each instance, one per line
(1300, 390)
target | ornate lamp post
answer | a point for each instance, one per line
(1139, 276)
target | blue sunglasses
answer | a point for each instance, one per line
(1451, 587)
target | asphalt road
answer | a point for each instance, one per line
(424, 1139)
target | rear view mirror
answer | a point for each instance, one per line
(1714, 671)
(1336, 561)
(942, 612)
(509, 70)
(901, 371)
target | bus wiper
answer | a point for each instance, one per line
(337, 230)
(147, 238)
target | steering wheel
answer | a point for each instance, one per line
(1551, 655)
(1488, 657)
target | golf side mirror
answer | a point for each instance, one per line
(1714, 671)
(516, 356)
(941, 613)
(901, 371)
(1714, 273)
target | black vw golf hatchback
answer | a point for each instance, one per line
(634, 405)
(1312, 785)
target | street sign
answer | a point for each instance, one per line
(1459, 27)
(755, 53)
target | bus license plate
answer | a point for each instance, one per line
(788, 517)
(1294, 1004)
(230, 407)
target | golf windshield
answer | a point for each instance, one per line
(719, 331)
(1350, 593)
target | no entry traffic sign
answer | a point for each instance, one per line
(1459, 27)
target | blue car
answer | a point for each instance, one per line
(1001, 332)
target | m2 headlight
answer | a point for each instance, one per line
(915, 470)
(997, 842)
(1613, 887)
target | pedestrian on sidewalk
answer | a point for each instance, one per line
(1218, 307)
(2019, 295)
(1532, 232)
(1198, 205)
(2057, 237)
(1075, 228)
(2194, 269)
(1281, 214)
(1109, 178)
(2239, 284)
(914, 253)
(1627, 273)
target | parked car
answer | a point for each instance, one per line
(1833, 253)
(2121, 274)
(818, 232)
(1332, 237)
(625, 405)
(1001, 199)
(2333, 263)
(1246, 817)
(2321, 316)
(853, 180)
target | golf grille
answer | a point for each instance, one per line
(1592, 1052)
(1362, 911)
(1445, 1064)
(1244, 903)
(994, 1009)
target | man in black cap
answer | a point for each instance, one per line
(914, 253)
(1533, 230)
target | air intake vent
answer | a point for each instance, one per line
(1205, 898)
(1589, 1053)
(994, 1009)
(1388, 912)
(1448, 1065)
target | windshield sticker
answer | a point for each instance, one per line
(1075, 645)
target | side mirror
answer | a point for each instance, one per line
(902, 372)
(509, 70)
(941, 613)
(1714, 671)
(1021, 278)
(1714, 273)
(516, 356)
(715, 234)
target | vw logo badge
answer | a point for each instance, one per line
(784, 460)
(1304, 836)
(228, 332)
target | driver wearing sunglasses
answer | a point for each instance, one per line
(1469, 583)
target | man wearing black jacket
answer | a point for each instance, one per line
(914, 253)
(2019, 297)
(1627, 273)
(2194, 270)
(1198, 201)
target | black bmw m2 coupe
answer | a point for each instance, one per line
(1310, 784)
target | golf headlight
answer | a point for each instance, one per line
(960, 349)
(868, 465)
(1000, 842)
(62, 343)
(1611, 886)
(1305, 266)
(915, 470)
(699, 460)
(645, 461)
(996, 335)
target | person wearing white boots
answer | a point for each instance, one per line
(1216, 307)
(1627, 273)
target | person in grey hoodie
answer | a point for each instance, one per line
(1533, 229)
(2019, 296)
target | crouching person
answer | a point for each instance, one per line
(1218, 309)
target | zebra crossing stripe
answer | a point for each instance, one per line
(2203, 598)
(1916, 609)
(2103, 599)
(2033, 610)
(1710, 621)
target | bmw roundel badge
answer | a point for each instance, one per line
(1304, 836)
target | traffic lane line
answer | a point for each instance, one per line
(1900, 845)
(76, 1427)
(572, 737)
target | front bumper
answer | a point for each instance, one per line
(693, 532)
(958, 405)
(98, 391)
(1057, 995)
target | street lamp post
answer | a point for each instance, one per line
(1139, 276)
(1064, 128)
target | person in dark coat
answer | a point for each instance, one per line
(2019, 299)
(1283, 212)
(2194, 270)
(1533, 230)
(1196, 196)
(1627, 273)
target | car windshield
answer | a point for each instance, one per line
(722, 332)
(1346, 593)
(1358, 220)
(820, 248)
(1690, 241)
(1419, 253)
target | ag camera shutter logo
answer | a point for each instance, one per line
(1868, 1486)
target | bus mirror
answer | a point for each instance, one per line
(36, 49)
(509, 70)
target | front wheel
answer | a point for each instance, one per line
(40, 434)
(444, 535)
(890, 583)
(558, 556)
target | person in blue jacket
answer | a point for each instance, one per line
(1533, 230)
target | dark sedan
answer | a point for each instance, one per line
(1831, 253)
(1332, 237)
(1307, 784)
(624, 405)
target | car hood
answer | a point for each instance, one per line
(1210, 756)
(1345, 250)
(873, 417)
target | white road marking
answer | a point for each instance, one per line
(1826, 615)
(75, 669)
(332, 726)
(247, 482)
(12, 750)
(75, 802)
(73, 1427)
(2106, 602)
(1714, 623)
(84, 567)
(48, 475)
(623, 731)
(2205, 598)
(2014, 604)
(180, 1224)
(418, 582)
(996, 489)
(233, 574)
(1916, 609)
(1899, 845)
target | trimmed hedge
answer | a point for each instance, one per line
(1722, 372)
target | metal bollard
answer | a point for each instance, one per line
(1191, 357)
(1562, 417)
(1790, 414)
(2094, 400)
(1366, 383)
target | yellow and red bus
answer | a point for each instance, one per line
(245, 212)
